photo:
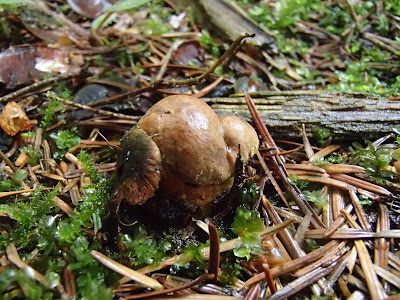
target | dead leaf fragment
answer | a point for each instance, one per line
(24, 64)
(89, 8)
(13, 119)
(189, 52)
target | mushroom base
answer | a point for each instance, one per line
(197, 197)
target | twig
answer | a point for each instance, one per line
(39, 4)
(86, 107)
(166, 59)
(383, 43)
(178, 83)
(279, 165)
(7, 161)
(37, 85)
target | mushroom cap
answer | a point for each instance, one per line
(190, 138)
(239, 134)
(139, 167)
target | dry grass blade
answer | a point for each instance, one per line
(338, 222)
(272, 179)
(121, 269)
(374, 286)
(13, 256)
(337, 202)
(381, 245)
(89, 108)
(254, 293)
(287, 239)
(269, 279)
(336, 273)
(64, 206)
(7, 161)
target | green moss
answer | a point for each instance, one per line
(247, 225)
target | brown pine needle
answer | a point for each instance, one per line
(121, 269)
(352, 233)
(374, 285)
(328, 181)
(324, 152)
(6, 194)
(362, 184)
(342, 168)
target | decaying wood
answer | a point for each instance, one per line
(349, 116)
(226, 20)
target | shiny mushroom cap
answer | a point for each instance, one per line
(190, 138)
(239, 136)
(197, 149)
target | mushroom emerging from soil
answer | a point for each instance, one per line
(181, 148)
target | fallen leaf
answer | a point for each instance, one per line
(13, 119)
(89, 8)
(24, 64)
(189, 52)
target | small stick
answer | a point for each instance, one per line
(177, 83)
(37, 85)
(7, 161)
(95, 110)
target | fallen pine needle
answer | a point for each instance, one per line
(121, 269)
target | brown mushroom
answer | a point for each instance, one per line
(198, 150)
(139, 167)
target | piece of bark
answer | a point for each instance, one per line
(227, 20)
(348, 116)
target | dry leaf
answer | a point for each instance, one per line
(23, 64)
(89, 8)
(13, 119)
(189, 52)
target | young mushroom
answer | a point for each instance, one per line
(184, 150)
